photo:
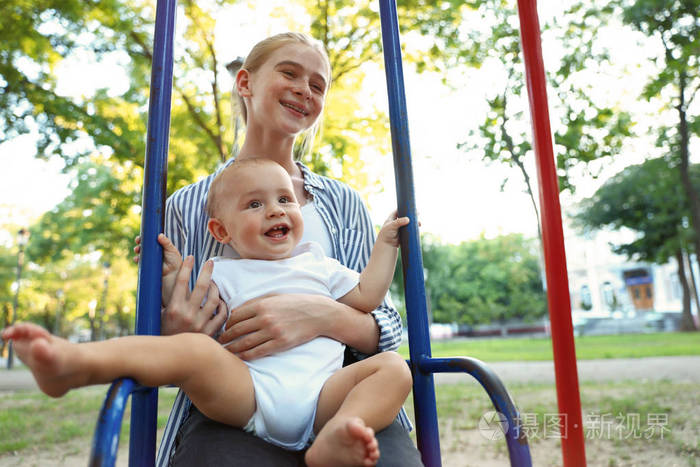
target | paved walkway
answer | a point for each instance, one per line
(686, 369)
(655, 368)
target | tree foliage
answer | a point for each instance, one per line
(482, 281)
(675, 26)
(100, 132)
(585, 129)
(647, 199)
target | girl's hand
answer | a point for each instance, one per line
(198, 311)
(172, 261)
(137, 249)
(274, 323)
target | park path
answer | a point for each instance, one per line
(682, 369)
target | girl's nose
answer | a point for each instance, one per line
(303, 90)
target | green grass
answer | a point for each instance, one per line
(587, 347)
(460, 407)
(29, 419)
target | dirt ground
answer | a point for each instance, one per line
(629, 420)
(667, 435)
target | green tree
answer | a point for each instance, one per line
(8, 262)
(675, 26)
(100, 135)
(100, 214)
(482, 281)
(491, 280)
(108, 127)
(647, 199)
(586, 130)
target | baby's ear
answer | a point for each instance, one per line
(218, 230)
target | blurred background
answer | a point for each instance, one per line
(623, 82)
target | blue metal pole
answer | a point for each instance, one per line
(144, 404)
(427, 433)
(105, 441)
(515, 436)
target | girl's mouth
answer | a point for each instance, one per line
(295, 108)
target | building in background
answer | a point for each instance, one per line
(604, 285)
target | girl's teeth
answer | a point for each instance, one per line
(295, 108)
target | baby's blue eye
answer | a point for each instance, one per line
(254, 204)
(284, 199)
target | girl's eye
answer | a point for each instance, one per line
(284, 199)
(288, 73)
(317, 88)
(254, 204)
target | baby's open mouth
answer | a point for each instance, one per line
(277, 231)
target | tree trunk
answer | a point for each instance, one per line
(684, 167)
(4, 323)
(693, 282)
(687, 323)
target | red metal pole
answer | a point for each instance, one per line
(568, 397)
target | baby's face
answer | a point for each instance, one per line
(260, 212)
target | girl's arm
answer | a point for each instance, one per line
(275, 323)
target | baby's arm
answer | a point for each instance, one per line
(376, 277)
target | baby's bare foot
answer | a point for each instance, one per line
(50, 358)
(344, 443)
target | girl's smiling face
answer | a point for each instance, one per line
(287, 93)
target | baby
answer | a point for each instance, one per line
(294, 398)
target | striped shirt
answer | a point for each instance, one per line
(352, 235)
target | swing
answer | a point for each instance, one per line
(142, 447)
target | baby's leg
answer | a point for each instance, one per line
(51, 360)
(355, 401)
(217, 381)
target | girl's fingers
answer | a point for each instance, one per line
(201, 287)
(208, 308)
(183, 277)
(217, 321)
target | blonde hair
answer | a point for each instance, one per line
(257, 57)
(218, 182)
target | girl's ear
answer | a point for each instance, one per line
(243, 83)
(218, 230)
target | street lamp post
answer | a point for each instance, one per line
(103, 306)
(59, 312)
(22, 237)
(92, 304)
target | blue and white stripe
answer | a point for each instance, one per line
(352, 233)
